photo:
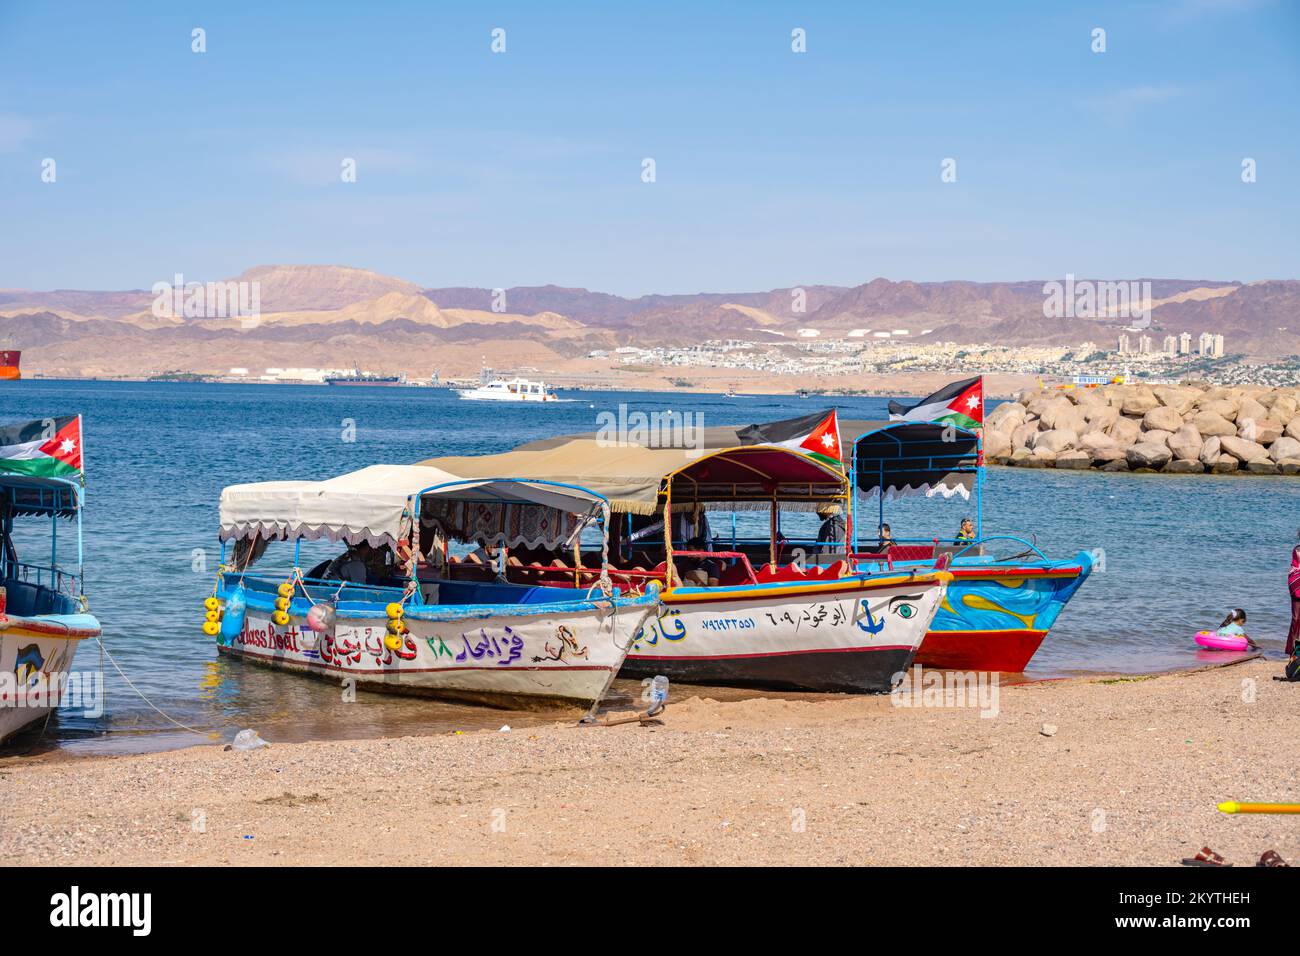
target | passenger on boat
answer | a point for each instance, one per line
(967, 531)
(830, 537)
(361, 563)
(699, 572)
(886, 537)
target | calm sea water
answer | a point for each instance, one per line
(1179, 550)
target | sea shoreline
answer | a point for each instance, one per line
(1108, 771)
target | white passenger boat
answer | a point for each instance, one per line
(509, 390)
(422, 625)
(43, 616)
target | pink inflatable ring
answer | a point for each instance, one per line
(1221, 642)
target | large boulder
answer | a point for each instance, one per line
(1289, 466)
(1162, 418)
(1222, 407)
(1012, 412)
(1184, 466)
(1262, 467)
(1125, 431)
(1023, 435)
(1263, 430)
(1212, 423)
(1046, 401)
(1058, 409)
(1148, 455)
(1113, 453)
(1211, 449)
(1179, 399)
(1284, 408)
(1284, 447)
(1243, 449)
(1249, 408)
(1156, 437)
(997, 443)
(1093, 441)
(1226, 465)
(1139, 401)
(1186, 443)
(1074, 459)
(1101, 417)
(1119, 464)
(1055, 440)
(1292, 429)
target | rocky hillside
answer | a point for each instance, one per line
(316, 305)
(1180, 429)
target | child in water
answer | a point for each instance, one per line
(1233, 626)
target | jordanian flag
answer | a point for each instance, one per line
(960, 404)
(817, 435)
(46, 448)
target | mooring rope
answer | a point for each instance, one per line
(166, 716)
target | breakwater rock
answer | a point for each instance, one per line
(1177, 429)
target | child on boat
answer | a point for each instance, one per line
(1233, 626)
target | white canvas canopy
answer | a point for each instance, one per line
(373, 504)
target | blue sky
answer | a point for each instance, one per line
(772, 168)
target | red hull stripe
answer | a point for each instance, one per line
(735, 657)
(47, 628)
(1016, 572)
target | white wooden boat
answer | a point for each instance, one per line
(791, 624)
(417, 631)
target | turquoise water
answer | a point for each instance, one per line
(1178, 550)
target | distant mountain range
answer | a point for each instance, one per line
(333, 316)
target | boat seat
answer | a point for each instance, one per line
(911, 552)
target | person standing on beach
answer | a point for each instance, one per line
(1293, 585)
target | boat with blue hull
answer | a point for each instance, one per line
(1005, 594)
(44, 615)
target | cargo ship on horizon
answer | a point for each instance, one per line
(358, 377)
(9, 362)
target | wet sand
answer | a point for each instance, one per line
(1131, 775)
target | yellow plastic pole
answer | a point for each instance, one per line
(1232, 806)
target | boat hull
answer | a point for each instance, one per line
(852, 635)
(32, 651)
(994, 618)
(510, 656)
(483, 395)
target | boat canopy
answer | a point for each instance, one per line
(910, 458)
(757, 476)
(375, 505)
(34, 495)
(632, 476)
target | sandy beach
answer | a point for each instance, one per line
(1131, 775)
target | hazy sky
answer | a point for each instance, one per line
(773, 168)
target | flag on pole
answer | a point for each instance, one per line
(816, 435)
(45, 448)
(960, 404)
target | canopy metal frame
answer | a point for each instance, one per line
(801, 491)
(956, 463)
